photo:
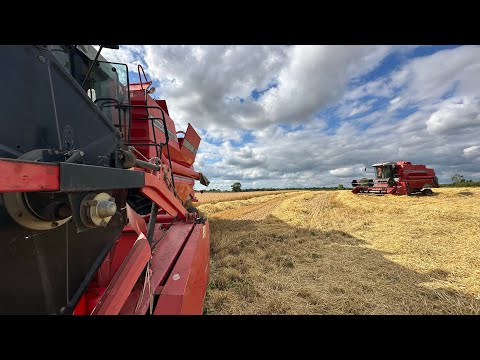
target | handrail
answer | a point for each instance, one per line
(139, 77)
(167, 138)
(111, 102)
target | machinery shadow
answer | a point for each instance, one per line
(267, 266)
(423, 195)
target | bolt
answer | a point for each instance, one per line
(62, 310)
(92, 202)
(54, 224)
(20, 214)
(106, 208)
(103, 223)
(112, 199)
(41, 58)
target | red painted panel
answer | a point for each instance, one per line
(136, 222)
(164, 256)
(185, 289)
(120, 251)
(157, 191)
(81, 308)
(20, 176)
(192, 137)
(141, 130)
(185, 171)
(170, 124)
(132, 300)
(199, 274)
(103, 273)
(163, 105)
(139, 86)
(122, 283)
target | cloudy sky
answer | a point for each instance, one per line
(302, 116)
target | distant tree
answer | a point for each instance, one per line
(341, 187)
(237, 187)
(457, 178)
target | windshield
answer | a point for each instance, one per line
(107, 84)
(108, 88)
(383, 172)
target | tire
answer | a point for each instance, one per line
(427, 192)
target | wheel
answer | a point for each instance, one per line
(427, 192)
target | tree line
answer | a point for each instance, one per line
(458, 180)
(236, 187)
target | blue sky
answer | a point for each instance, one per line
(280, 116)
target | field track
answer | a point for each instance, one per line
(331, 252)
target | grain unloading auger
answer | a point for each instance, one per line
(95, 191)
(397, 178)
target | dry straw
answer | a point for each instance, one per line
(338, 253)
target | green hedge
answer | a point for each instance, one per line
(467, 183)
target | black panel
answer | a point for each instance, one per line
(77, 177)
(34, 263)
(43, 107)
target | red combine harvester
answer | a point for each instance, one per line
(397, 178)
(96, 190)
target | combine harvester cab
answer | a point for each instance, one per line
(96, 191)
(397, 178)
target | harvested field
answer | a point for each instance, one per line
(333, 252)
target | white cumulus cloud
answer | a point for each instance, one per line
(430, 111)
(454, 116)
(346, 171)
